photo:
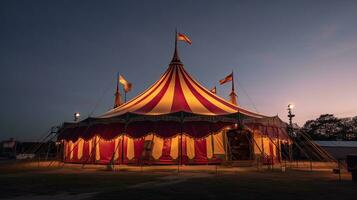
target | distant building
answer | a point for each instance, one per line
(339, 149)
(9, 149)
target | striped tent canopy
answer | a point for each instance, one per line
(153, 137)
(177, 91)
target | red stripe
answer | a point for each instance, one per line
(75, 151)
(151, 104)
(138, 148)
(125, 147)
(210, 94)
(179, 102)
(106, 150)
(85, 152)
(168, 73)
(200, 150)
(166, 149)
(220, 100)
(211, 107)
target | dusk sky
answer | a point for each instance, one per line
(61, 57)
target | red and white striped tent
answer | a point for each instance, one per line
(176, 120)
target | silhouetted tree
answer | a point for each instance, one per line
(329, 127)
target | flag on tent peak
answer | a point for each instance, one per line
(227, 79)
(182, 37)
(125, 83)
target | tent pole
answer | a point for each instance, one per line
(111, 164)
(123, 139)
(122, 149)
(307, 156)
(33, 148)
(52, 160)
(212, 143)
(93, 150)
(60, 153)
(225, 140)
(263, 152)
(48, 149)
(276, 146)
(181, 123)
(255, 142)
(272, 141)
(73, 146)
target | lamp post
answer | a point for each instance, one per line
(291, 130)
(76, 116)
(291, 115)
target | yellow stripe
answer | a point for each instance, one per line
(207, 91)
(190, 147)
(130, 154)
(209, 146)
(149, 137)
(245, 111)
(80, 148)
(148, 99)
(157, 148)
(97, 149)
(123, 108)
(174, 147)
(90, 143)
(218, 143)
(209, 98)
(65, 149)
(164, 105)
(116, 148)
(192, 101)
(144, 100)
(71, 149)
(140, 96)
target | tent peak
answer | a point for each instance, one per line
(176, 59)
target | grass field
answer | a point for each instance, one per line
(18, 181)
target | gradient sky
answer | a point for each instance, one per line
(59, 57)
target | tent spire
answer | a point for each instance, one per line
(176, 58)
(233, 94)
(117, 101)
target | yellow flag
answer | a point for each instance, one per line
(125, 83)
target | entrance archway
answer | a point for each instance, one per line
(239, 145)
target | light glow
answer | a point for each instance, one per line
(291, 106)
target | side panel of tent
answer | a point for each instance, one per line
(150, 149)
(267, 148)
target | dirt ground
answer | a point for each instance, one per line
(20, 181)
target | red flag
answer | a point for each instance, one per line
(227, 79)
(182, 37)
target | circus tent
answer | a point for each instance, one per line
(174, 121)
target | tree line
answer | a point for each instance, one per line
(329, 127)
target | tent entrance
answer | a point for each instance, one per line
(239, 145)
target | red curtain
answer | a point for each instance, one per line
(75, 152)
(183, 150)
(166, 149)
(106, 150)
(200, 151)
(138, 148)
(85, 154)
(165, 129)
